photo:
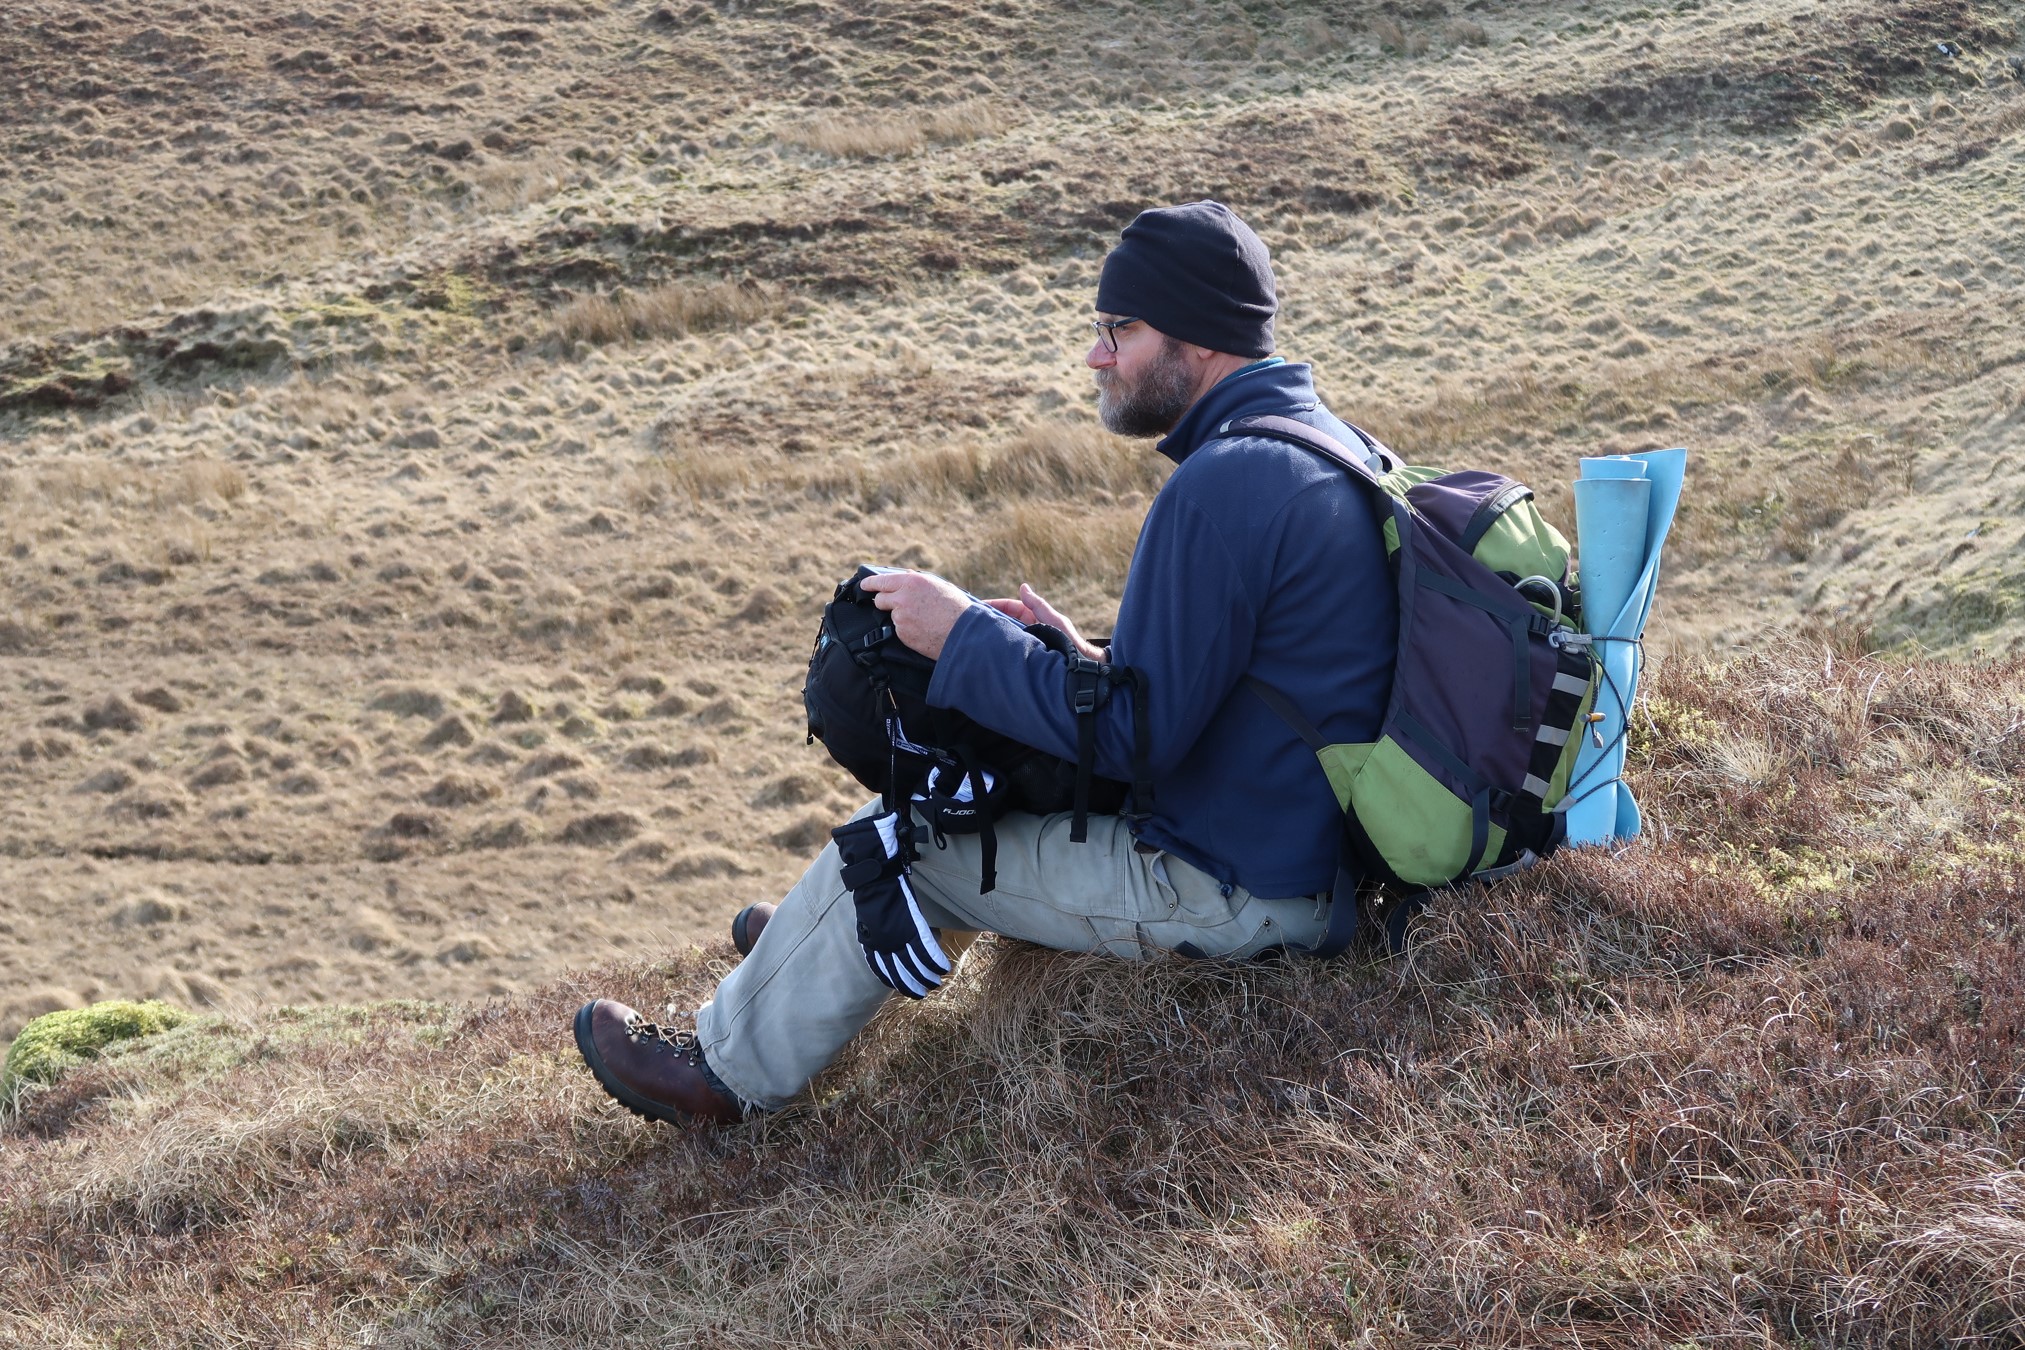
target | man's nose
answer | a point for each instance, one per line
(1099, 356)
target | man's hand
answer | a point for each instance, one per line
(924, 607)
(1031, 608)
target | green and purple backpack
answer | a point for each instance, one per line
(1491, 688)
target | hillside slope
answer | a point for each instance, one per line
(1755, 1080)
(426, 433)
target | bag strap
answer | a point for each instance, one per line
(1288, 713)
(1319, 441)
(1090, 683)
(1342, 928)
(973, 773)
(1488, 512)
(1344, 917)
(1086, 692)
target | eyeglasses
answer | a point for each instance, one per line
(1107, 331)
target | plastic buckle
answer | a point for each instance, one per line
(1090, 676)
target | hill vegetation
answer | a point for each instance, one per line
(427, 431)
(1754, 1080)
(426, 434)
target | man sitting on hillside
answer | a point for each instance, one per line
(1257, 558)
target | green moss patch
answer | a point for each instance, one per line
(55, 1041)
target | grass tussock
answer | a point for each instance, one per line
(1393, 36)
(1526, 403)
(1784, 502)
(1751, 1081)
(675, 309)
(1048, 544)
(1057, 462)
(1777, 501)
(683, 471)
(901, 131)
(1050, 460)
(199, 482)
(511, 184)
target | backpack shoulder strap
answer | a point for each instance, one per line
(1319, 441)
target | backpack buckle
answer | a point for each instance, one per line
(1087, 693)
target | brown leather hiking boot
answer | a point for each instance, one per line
(652, 1070)
(747, 924)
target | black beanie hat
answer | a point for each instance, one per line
(1198, 274)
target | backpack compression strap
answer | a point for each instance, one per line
(1090, 683)
(1089, 686)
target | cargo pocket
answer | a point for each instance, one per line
(1201, 920)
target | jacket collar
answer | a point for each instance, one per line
(1264, 386)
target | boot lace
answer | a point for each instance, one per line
(680, 1041)
(658, 1036)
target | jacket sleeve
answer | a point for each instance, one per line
(1186, 623)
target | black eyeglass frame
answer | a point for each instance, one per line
(1107, 331)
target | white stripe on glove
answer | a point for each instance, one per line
(899, 945)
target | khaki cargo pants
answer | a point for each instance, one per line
(787, 1010)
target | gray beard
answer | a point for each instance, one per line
(1152, 406)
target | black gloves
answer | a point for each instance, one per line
(899, 945)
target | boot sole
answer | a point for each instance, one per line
(619, 1092)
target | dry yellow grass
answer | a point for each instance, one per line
(1526, 403)
(337, 661)
(1056, 459)
(1394, 36)
(675, 309)
(194, 483)
(1047, 543)
(900, 131)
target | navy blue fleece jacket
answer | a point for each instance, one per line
(1257, 557)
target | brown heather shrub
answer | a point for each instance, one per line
(1752, 1081)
